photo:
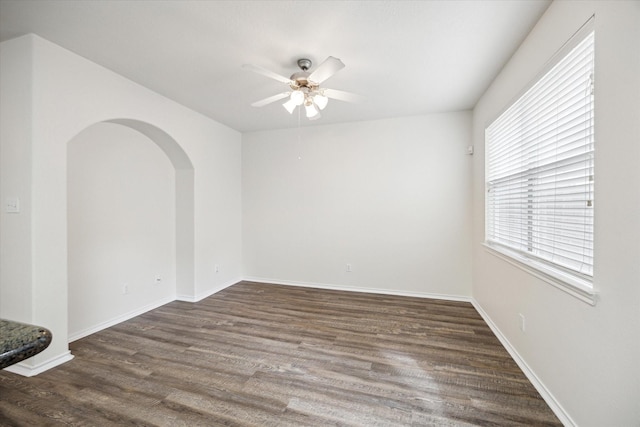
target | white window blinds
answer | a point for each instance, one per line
(540, 167)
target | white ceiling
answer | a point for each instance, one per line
(406, 57)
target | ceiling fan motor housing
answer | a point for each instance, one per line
(300, 79)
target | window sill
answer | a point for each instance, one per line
(574, 286)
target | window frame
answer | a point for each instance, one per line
(572, 282)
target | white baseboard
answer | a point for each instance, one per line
(137, 312)
(30, 371)
(358, 289)
(119, 319)
(208, 293)
(529, 373)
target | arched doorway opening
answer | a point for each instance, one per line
(130, 223)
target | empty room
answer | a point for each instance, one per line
(316, 213)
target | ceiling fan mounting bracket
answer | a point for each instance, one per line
(304, 64)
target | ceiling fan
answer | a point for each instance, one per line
(304, 87)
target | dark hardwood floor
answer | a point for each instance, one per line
(269, 355)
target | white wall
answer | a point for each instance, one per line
(390, 197)
(15, 179)
(585, 356)
(121, 226)
(63, 95)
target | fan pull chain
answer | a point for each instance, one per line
(299, 136)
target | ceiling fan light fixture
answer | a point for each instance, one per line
(297, 97)
(321, 101)
(289, 106)
(311, 110)
(316, 117)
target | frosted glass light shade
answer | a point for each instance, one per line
(290, 106)
(321, 101)
(297, 97)
(311, 109)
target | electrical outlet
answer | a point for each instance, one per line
(125, 289)
(348, 269)
(216, 268)
(12, 205)
(521, 321)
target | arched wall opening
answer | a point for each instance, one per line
(129, 223)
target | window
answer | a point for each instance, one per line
(540, 170)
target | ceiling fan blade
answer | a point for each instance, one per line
(341, 95)
(270, 99)
(265, 72)
(328, 68)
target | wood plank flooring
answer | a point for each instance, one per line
(269, 355)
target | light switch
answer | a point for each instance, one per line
(12, 205)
